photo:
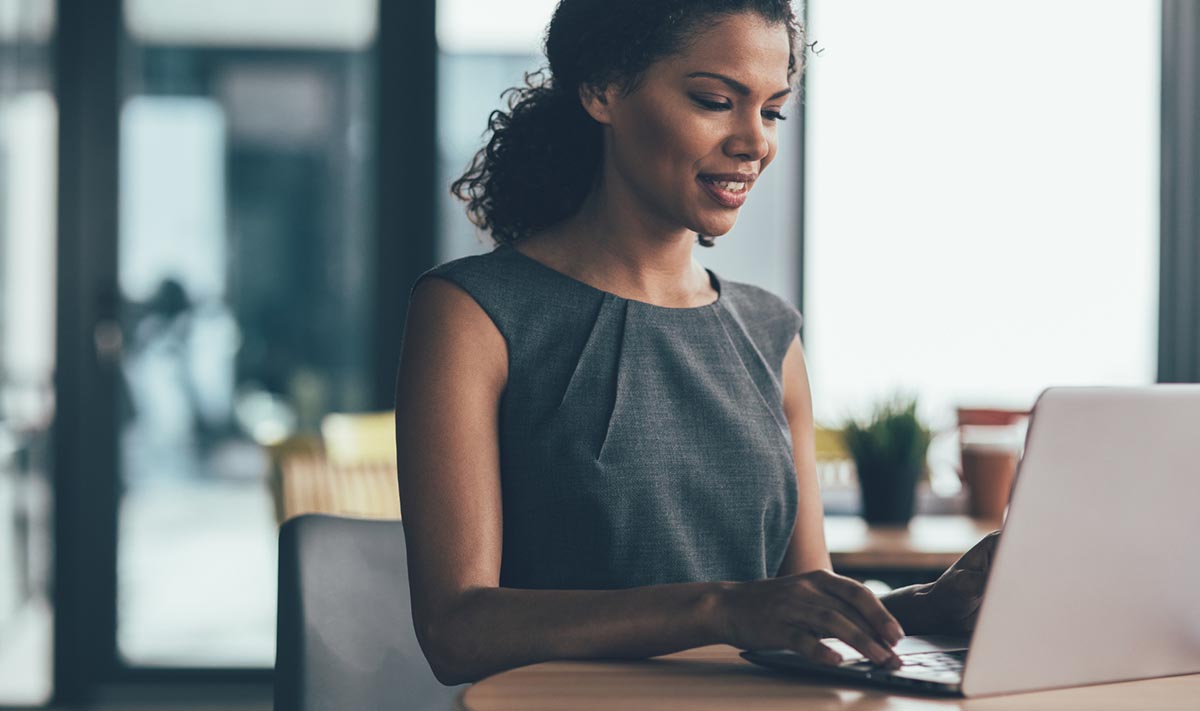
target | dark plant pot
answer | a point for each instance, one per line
(888, 495)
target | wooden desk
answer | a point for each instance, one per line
(929, 542)
(716, 678)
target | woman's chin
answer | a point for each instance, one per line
(714, 228)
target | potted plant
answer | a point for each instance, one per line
(889, 451)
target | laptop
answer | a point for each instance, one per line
(1096, 577)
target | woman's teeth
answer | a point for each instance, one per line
(731, 187)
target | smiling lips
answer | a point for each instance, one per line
(727, 189)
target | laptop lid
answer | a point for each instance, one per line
(1096, 577)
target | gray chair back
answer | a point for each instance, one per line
(345, 637)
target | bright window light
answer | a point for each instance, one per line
(512, 27)
(345, 24)
(982, 205)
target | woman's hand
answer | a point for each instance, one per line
(950, 604)
(796, 611)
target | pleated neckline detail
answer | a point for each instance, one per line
(682, 311)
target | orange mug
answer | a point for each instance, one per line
(991, 440)
(987, 473)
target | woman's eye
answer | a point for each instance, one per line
(712, 105)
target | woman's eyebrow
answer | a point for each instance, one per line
(737, 85)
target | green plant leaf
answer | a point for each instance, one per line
(892, 439)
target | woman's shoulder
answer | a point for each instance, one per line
(524, 302)
(758, 306)
(469, 283)
(484, 276)
(470, 267)
(769, 320)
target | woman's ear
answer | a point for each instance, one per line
(597, 101)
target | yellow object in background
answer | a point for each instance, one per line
(316, 485)
(829, 445)
(359, 438)
(835, 467)
(350, 471)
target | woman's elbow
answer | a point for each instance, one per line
(444, 649)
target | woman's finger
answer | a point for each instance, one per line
(827, 622)
(809, 646)
(855, 617)
(865, 603)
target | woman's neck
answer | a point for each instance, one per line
(615, 251)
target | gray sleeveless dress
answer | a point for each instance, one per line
(639, 444)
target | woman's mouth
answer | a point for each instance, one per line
(727, 191)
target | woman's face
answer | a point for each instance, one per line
(688, 143)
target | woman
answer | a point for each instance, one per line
(605, 449)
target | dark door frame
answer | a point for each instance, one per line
(88, 68)
(84, 433)
(406, 211)
(1179, 260)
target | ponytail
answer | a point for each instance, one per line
(542, 159)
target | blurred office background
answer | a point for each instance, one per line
(211, 214)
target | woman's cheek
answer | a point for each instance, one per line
(665, 147)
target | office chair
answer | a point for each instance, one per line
(345, 636)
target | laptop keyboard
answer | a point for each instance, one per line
(934, 661)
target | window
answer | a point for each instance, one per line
(982, 200)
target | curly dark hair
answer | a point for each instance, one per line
(543, 155)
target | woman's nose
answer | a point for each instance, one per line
(749, 141)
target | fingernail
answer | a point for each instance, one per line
(895, 632)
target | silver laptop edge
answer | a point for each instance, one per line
(1095, 578)
(1096, 575)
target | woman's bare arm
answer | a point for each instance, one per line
(452, 376)
(806, 551)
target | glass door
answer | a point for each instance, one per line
(245, 282)
(28, 199)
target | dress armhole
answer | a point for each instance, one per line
(464, 286)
